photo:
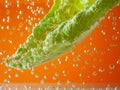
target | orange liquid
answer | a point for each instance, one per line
(99, 52)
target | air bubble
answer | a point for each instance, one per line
(45, 67)
(91, 43)
(48, 6)
(118, 32)
(18, 3)
(73, 53)
(74, 86)
(80, 75)
(8, 19)
(64, 73)
(1, 53)
(86, 51)
(42, 81)
(5, 81)
(32, 71)
(103, 32)
(94, 73)
(59, 61)
(6, 72)
(86, 62)
(53, 64)
(3, 19)
(119, 17)
(9, 69)
(27, 28)
(75, 65)
(18, 16)
(59, 83)
(118, 61)
(101, 69)
(6, 6)
(83, 83)
(32, 3)
(20, 12)
(3, 39)
(25, 87)
(16, 75)
(109, 17)
(2, 27)
(30, 88)
(111, 66)
(36, 76)
(114, 28)
(10, 41)
(42, 12)
(66, 58)
(58, 88)
(50, 88)
(45, 77)
(68, 82)
(54, 78)
(7, 27)
(95, 49)
(21, 34)
(9, 76)
(57, 74)
(78, 58)
(114, 37)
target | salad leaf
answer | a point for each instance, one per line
(67, 24)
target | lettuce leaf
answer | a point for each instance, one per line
(67, 24)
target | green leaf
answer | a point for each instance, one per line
(67, 24)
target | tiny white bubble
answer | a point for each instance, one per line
(94, 73)
(118, 61)
(111, 66)
(103, 32)
(101, 69)
(1, 53)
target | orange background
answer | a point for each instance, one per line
(100, 50)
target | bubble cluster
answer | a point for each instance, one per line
(101, 69)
